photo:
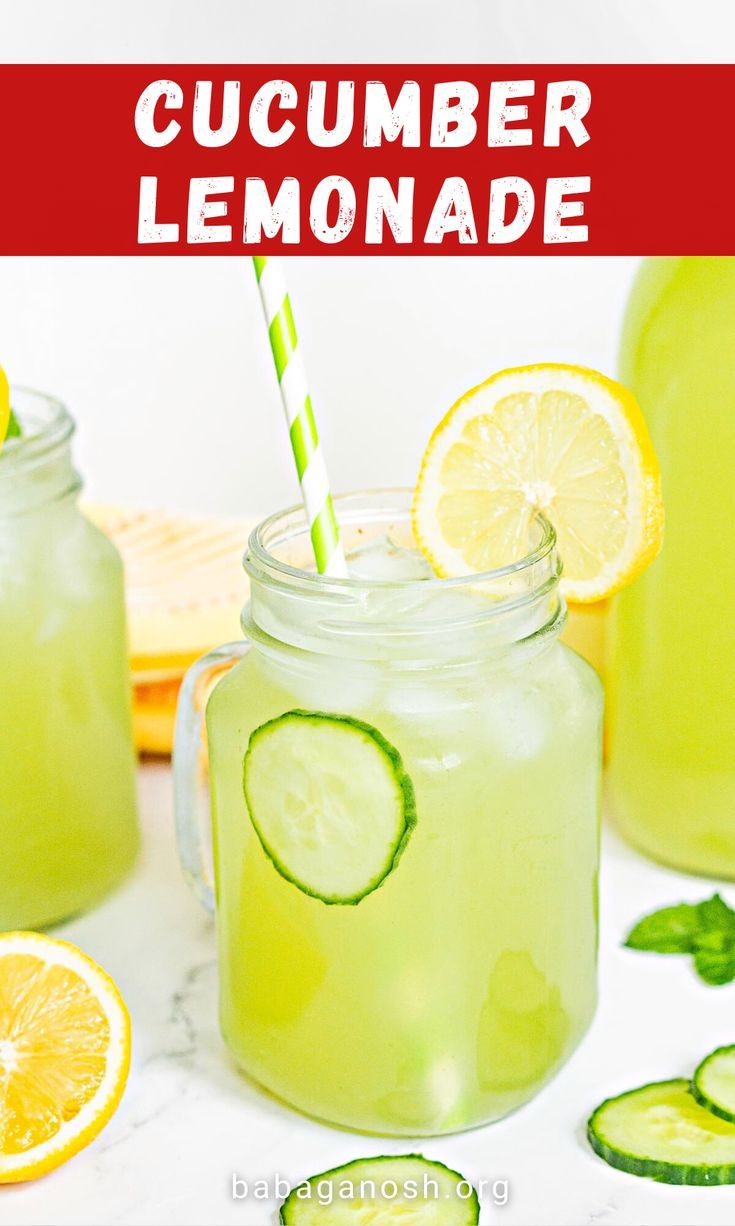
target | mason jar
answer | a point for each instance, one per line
(68, 825)
(443, 989)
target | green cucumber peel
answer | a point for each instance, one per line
(325, 1198)
(660, 1131)
(330, 801)
(713, 1083)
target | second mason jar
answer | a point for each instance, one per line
(446, 991)
(68, 823)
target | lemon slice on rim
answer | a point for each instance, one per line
(64, 1053)
(559, 439)
(4, 405)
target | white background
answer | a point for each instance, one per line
(164, 362)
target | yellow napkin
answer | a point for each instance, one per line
(185, 588)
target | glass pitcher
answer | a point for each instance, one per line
(672, 671)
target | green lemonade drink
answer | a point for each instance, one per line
(439, 985)
(68, 824)
(672, 746)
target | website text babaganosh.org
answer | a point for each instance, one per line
(326, 1191)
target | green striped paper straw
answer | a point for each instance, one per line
(310, 466)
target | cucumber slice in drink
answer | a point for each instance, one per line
(330, 802)
(407, 1188)
(713, 1083)
(660, 1131)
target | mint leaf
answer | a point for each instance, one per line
(715, 915)
(14, 430)
(672, 930)
(706, 930)
(716, 967)
(714, 940)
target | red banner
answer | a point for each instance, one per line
(429, 159)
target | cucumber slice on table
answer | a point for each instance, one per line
(330, 801)
(660, 1131)
(408, 1189)
(713, 1083)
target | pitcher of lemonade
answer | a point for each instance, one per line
(68, 825)
(672, 709)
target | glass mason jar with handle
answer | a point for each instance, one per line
(404, 777)
(672, 667)
(68, 823)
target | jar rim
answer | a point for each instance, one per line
(259, 561)
(52, 425)
(410, 619)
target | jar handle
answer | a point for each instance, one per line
(191, 772)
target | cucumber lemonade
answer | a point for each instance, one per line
(67, 804)
(672, 759)
(424, 967)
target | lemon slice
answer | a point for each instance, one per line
(64, 1053)
(563, 440)
(4, 405)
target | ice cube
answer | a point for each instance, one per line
(383, 560)
(429, 1092)
(515, 719)
(426, 698)
(342, 688)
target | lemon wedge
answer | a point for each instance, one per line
(4, 405)
(64, 1053)
(563, 440)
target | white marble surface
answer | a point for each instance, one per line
(189, 1120)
